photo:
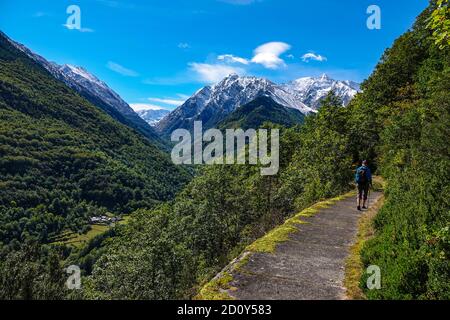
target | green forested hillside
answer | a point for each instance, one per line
(263, 109)
(62, 160)
(406, 105)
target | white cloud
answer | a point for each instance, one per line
(184, 45)
(183, 96)
(232, 59)
(86, 30)
(312, 56)
(117, 4)
(170, 102)
(269, 54)
(145, 106)
(121, 69)
(71, 27)
(40, 14)
(212, 73)
(240, 2)
(178, 79)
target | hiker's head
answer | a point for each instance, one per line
(364, 162)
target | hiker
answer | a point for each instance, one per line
(363, 179)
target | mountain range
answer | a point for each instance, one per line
(153, 116)
(312, 90)
(213, 104)
(95, 91)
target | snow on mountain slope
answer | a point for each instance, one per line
(80, 79)
(152, 117)
(213, 103)
(311, 90)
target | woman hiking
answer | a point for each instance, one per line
(363, 179)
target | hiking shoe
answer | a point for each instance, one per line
(359, 208)
(365, 208)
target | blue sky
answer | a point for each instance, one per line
(158, 52)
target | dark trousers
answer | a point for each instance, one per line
(363, 191)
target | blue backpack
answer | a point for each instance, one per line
(361, 175)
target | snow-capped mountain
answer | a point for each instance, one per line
(95, 91)
(212, 104)
(311, 91)
(80, 79)
(152, 117)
